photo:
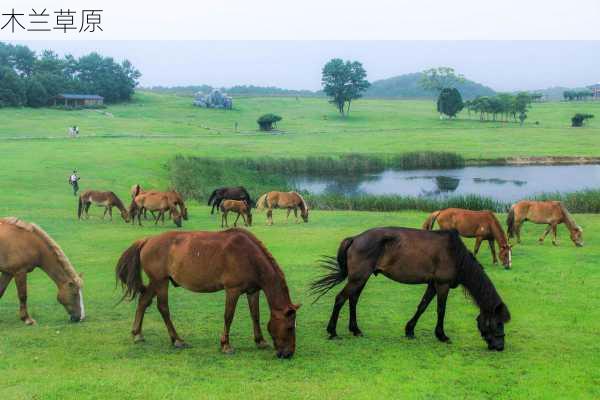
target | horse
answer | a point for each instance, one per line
(106, 199)
(154, 201)
(482, 225)
(228, 193)
(25, 246)
(289, 200)
(204, 262)
(413, 256)
(240, 207)
(174, 197)
(543, 212)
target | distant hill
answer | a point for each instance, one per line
(407, 86)
(238, 90)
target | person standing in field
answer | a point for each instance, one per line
(74, 182)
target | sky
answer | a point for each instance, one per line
(502, 65)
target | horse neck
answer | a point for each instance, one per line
(568, 219)
(478, 284)
(498, 232)
(54, 268)
(273, 284)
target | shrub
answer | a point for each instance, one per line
(266, 121)
(578, 119)
(450, 102)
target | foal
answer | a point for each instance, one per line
(106, 199)
(238, 206)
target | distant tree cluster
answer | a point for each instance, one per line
(501, 107)
(570, 95)
(27, 79)
(238, 90)
(267, 122)
(578, 119)
(344, 82)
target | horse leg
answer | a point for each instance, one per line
(352, 302)
(518, 225)
(231, 298)
(427, 297)
(493, 249)
(87, 209)
(21, 281)
(477, 245)
(105, 211)
(5, 279)
(236, 220)
(442, 295)
(110, 212)
(253, 303)
(287, 217)
(222, 220)
(296, 215)
(270, 216)
(554, 229)
(348, 290)
(143, 303)
(162, 303)
(541, 239)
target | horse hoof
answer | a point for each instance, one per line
(357, 333)
(29, 321)
(262, 344)
(180, 344)
(334, 336)
(138, 339)
(228, 350)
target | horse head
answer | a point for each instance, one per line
(282, 328)
(577, 236)
(491, 326)
(125, 215)
(506, 255)
(304, 214)
(71, 297)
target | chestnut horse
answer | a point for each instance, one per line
(174, 196)
(481, 225)
(543, 212)
(289, 200)
(228, 193)
(238, 206)
(106, 199)
(436, 258)
(154, 201)
(204, 262)
(25, 246)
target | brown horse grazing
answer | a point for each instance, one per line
(106, 199)
(482, 225)
(154, 201)
(25, 246)
(436, 258)
(174, 197)
(543, 212)
(238, 206)
(289, 200)
(233, 260)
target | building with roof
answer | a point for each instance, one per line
(595, 91)
(78, 100)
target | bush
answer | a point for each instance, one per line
(266, 121)
(578, 119)
(450, 102)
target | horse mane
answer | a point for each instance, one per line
(472, 277)
(118, 201)
(304, 206)
(54, 247)
(569, 220)
(496, 225)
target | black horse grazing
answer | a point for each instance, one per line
(228, 193)
(437, 258)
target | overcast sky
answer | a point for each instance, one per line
(502, 65)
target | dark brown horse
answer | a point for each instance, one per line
(106, 199)
(436, 258)
(552, 213)
(228, 193)
(238, 206)
(481, 225)
(233, 260)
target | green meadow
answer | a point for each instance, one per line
(552, 348)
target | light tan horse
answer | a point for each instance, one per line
(238, 206)
(205, 262)
(106, 199)
(289, 200)
(154, 202)
(481, 225)
(543, 212)
(25, 246)
(174, 197)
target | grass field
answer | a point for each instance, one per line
(552, 347)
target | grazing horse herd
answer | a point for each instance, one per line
(237, 262)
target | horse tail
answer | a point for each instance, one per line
(430, 221)
(79, 207)
(510, 222)
(261, 203)
(129, 271)
(337, 267)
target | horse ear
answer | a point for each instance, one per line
(502, 312)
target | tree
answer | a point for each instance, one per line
(450, 102)
(36, 94)
(437, 79)
(12, 89)
(578, 119)
(344, 82)
(266, 121)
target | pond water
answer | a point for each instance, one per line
(503, 183)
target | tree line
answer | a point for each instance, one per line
(29, 79)
(570, 95)
(503, 106)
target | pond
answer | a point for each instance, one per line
(503, 183)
